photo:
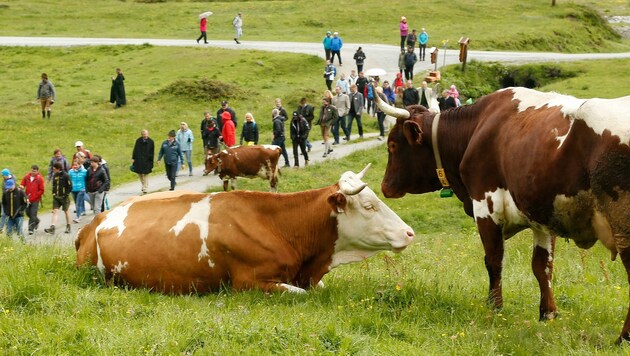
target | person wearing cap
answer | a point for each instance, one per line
(46, 94)
(6, 177)
(61, 189)
(57, 157)
(326, 42)
(335, 48)
(404, 31)
(299, 133)
(13, 205)
(172, 154)
(238, 27)
(86, 153)
(225, 107)
(423, 39)
(33, 185)
(228, 132)
(142, 159)
(184, 138)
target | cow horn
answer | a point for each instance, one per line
(362, 173)
(347, 188)
(390, 110)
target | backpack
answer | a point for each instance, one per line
(307, 112)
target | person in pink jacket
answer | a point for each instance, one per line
(404, 31)
(203, 26)
(228, 132)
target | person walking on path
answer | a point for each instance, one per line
(359, 58)
(249, 133)
(410, 61)
(14, 204)
(411, 95)
(423, 39)
(228, 133)
(205, 124)
(185, 140)
(57, 157)
(342, 102)
(335, 48)
(329, 74)
(412, 38)
(279, 137)
(142, 159)
(61, 189)
(356, 109)
(225, 107)
(96, 182)
(117, 94)
(33, 185)
(238, 27)
(307, 111)
(404, 31)
(299, 133)
(203, 27)
(326, 42)
(211, 138)
(78, 175)
(46, 95)
(172, 154)
(327, 117)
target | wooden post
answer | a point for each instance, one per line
(463, 51)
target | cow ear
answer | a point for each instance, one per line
(412, 132)
(338, 202)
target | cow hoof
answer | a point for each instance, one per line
(550, 315)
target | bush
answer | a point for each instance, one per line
(203, 90)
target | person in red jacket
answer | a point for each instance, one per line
(203, 24)
(33, 185)
(228, 132)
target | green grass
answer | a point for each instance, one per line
(519, 25)
(430, 299)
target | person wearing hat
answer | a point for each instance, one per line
(335, 48)
(172, 154)
(33, 185)
(14, 204)
(225, 107)
(61, 189)
(46, 94)
(184, 138)
(326, 42)
(6, 176)
(86, 153)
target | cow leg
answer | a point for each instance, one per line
(492, 239)
(273, 182)
(542, 265)
(233, 181)
(225, 185)
(623, 247)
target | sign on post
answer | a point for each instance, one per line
(463, 51)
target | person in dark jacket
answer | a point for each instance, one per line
(204, 128)
(307, 111)
(411, 95)
(410, 62)
(14, 204)
(299, 133)
(359, 58)
(278, 134)
(117, 93)
(61, 189)
(142, 158)
(249, 134)
(96, 182)
(172, 154)
(226, 107)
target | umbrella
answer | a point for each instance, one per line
(375, 72)
(205, 14)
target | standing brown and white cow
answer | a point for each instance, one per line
(183, 242)
(518, 159)
(245, 161)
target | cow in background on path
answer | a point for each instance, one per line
(518, 159)
(185, 242)
(245, 161)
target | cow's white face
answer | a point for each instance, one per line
(366, 225)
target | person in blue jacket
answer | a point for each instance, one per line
(335, 47)
(172, 153)
(326, 42)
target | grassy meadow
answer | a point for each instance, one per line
(428, 300)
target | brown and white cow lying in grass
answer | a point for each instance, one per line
(184, 242)
(245, 161)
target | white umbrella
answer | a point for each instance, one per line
(205, 14)
(375, 72)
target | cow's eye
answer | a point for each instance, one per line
(369, 206)
(392, 146)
